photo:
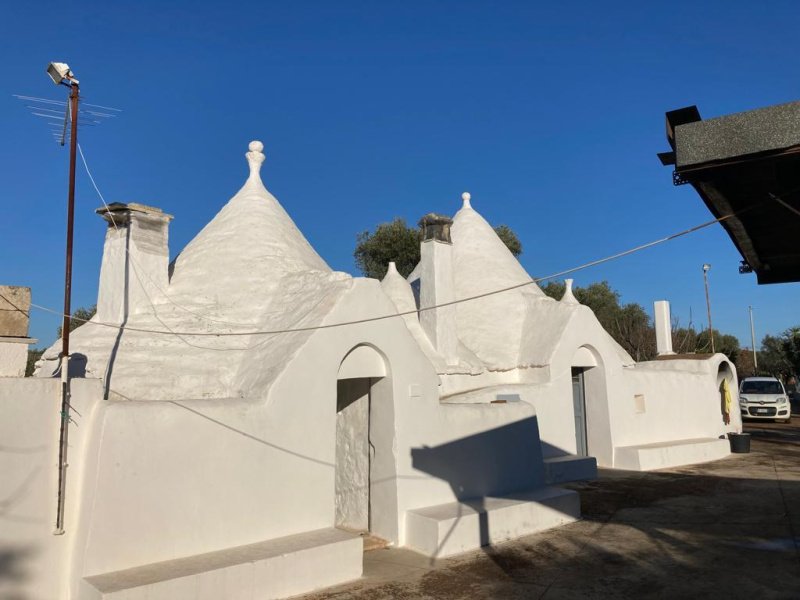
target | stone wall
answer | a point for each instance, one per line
(15, 303)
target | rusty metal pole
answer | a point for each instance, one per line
(65, 404)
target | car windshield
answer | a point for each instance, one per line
(761, 387)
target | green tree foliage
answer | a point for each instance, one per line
(631, 327)
(790, 341)
(82, 314)
(772, 358)
(510, 239)
(396, 241)
(34, 354)
(724, 343)
(628, 324)
(779, 357)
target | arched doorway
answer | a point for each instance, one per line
(363, 399)
(726, 392)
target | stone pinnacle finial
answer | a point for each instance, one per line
(466, 197)
(255, 157)
(391, 270)
(568, 297)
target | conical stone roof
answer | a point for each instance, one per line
(246, 248)
(492, 327)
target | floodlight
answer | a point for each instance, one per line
(706, 268)
(59, 72)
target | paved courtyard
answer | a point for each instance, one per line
(727, 529)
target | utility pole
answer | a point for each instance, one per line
(706, 268)
(61, 74)
(753, 341)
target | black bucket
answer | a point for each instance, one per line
(740, 442)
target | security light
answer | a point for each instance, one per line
(59, 72)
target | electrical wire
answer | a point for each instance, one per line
(135, 263)
(408, 312)
(181, 334)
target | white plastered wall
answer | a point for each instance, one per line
(178, 478)
(680, 397)
(628, 405)
(29, 433)
(681, 402)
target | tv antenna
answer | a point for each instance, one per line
(57, 114)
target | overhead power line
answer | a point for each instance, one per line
(408, 312)
(182, 334)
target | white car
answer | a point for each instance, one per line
(764, 398)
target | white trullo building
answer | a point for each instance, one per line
(244, 416)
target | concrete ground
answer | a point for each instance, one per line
(728, 529)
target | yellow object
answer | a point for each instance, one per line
(726, 394)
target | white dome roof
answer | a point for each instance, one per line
(246, 248)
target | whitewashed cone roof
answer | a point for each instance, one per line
(246, 247)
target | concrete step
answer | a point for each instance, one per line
(456, 527)
(373, 542)
(276, 568)
(562, 469)
(676, 453)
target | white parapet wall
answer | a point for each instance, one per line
(29, 434)
(14, 355)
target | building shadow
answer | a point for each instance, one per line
(505, 461)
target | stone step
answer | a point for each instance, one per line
(373, 542)
(447, 529)
(647, 457)
(562, 469)
(272, 569)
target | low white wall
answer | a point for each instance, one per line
(36, 563)
(180, 478)
(652, 402)
(680, 401)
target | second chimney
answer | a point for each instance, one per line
(135, 259)
(437, 286)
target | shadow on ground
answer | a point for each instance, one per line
(726, 529)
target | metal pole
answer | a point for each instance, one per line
(708, 307)
(65, 405)
(753, 341)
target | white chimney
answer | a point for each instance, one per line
(437, 286)
(135, 262)
(663, 327)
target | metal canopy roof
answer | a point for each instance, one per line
(747, 165)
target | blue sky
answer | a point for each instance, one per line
(550, 115)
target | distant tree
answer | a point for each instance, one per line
(790, 341)
(34, 354)
(82, 315)
(510, 239)
(772, 358)
(724, 343)
(684, 339)
(628, 324)
(744, 363)
(396, 241)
